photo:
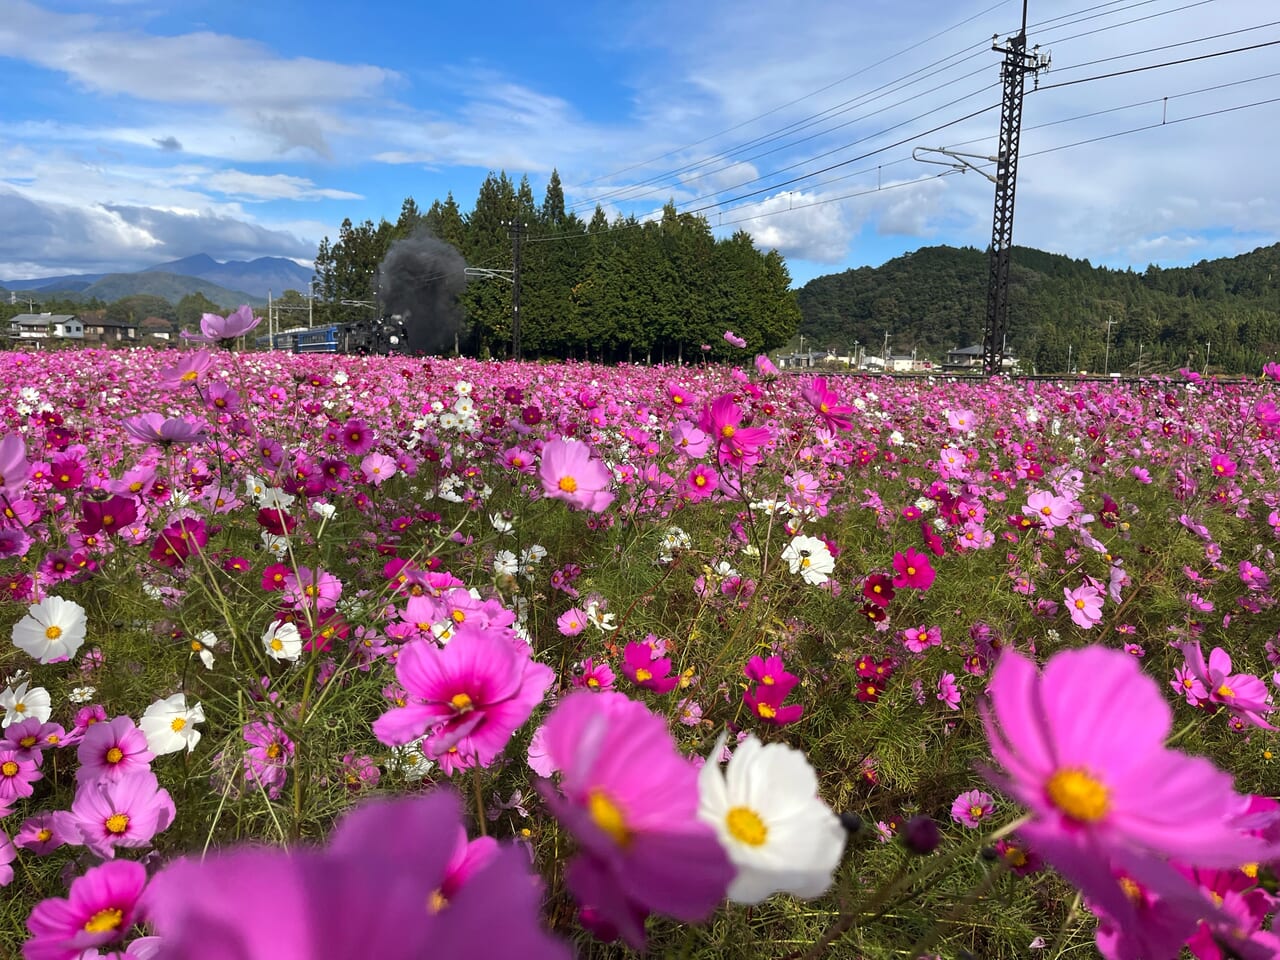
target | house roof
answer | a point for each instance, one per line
(974, 351)
(41, 319)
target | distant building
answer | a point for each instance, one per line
(105, 330)
(156, 328)
(970, 358)
(43, 326)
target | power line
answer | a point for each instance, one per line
(1156, 66)
(1125, 23)
(834, 83)
(1167, 46)
(656, 182)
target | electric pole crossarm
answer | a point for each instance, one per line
(962, 162)
(506, 275)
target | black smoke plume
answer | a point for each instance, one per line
(419, 281)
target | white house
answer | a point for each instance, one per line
(42, 326)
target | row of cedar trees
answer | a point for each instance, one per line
(599, 290)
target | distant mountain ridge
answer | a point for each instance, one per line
(248, 280)
(1063, 313)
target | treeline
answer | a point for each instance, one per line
(616, 290)
(131, 309)
(934, 300)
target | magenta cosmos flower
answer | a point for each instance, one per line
(826, 403)
(14, 466)
(214, 328)
(913, 570)
(467, 697)
(383, 888)
(1082, 747)
(99, 909)
(569, 473)
(157, 428)
(631, 801)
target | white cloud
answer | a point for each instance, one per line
(278, 186)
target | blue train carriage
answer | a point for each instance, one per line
(316, 340)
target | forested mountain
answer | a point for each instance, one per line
(620, 290)
(934, 300)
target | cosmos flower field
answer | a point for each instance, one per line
(356, 656)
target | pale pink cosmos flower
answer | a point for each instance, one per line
(112, 750)
(127, 812)
(100, 908)
(1049, 510)
(972, 808)
(1084, 603)
(568, 472)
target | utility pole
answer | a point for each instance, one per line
(1018, 62)
(1069, 358)
(885, 353)
(517, 233)
(1106, 357)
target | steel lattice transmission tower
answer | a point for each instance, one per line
(1018, 62)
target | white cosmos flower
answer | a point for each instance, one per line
(505, 563)
(809, 557)
(169, 725)
(82, 694)
(52, 630)
(282, 641)
(769, 819)
(203, 646)
(22, 704)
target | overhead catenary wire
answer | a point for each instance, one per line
(620, 194)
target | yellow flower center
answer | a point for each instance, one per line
(976, 812)
(177, 724)
(276, 645)
(766, 711)
(117, 823)
(593, 683)
(1079, 604)
(273, 751)
(27, 742)
(642, 675)
(608, 816)
(911, 571)
(115, 755)
(458, 616)
(768, 680)
(53, 632)
(1079, 795)
(1015, 856)
(189, 376)
(1250, 870)
(568, 484)
(9, 768)
(727, 431)
(460, 702)
(1131, 889)
(745, 826)
(1225, 691)
(436, 902)
(105, 921)
(44, 835)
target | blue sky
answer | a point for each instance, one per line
(134, 132)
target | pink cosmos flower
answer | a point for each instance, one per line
(16, 778)
(572, 622)
(594, 676)
(100, 908)
(972, 808)
(214, 328)
(735, 444)
(770, 672)
(766, 367)
(189, 368)
(701, 482)
(468, 697)
(648, 671)
(1084, 603)
(124, 812)
(266, 761)
(913, 570)
(1047, 509)
(734, 339)
(631, 801)
(826, 403)
(14, 466)
(157, 428)
(569, 473)
(8, 853)
(948, 691)
(112, 750)
(377, 890)
(765, 702)
(1082, 747)
(689, 440)
(1242, 693)
(46, 832)
(31, 737)
(378, 468)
